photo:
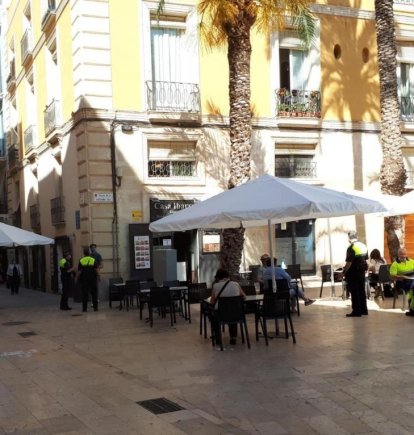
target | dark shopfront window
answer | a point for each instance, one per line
(295, 244)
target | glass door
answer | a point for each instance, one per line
(295, 244)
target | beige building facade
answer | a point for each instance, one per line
(115, 118)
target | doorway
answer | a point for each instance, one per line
(295, 244)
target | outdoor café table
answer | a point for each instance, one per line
(249, 298)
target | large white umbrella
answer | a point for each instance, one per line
(265, 201)
(11, 236)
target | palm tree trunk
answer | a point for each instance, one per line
(238, 54)
(393, 175)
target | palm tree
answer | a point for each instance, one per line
(230, 22)
(393, 175)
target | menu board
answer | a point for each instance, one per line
(142, 252)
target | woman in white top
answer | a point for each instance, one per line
(374, 263)
(224, 287)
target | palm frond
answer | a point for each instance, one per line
(305, 25)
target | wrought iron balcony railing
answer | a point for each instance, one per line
(57, 210)
(29, 138)
(171, 168)
(298, 103)
(173, 96)
(295, 169)
(52, 116)
(26, 45)
(35, 216)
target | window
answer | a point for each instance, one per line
(295, 166)
(293, 69)
(405, 77)
(171, 159)
(29, 133)
(170, 43)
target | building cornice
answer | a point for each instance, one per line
(342, 11)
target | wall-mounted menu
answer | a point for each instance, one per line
(142, 252)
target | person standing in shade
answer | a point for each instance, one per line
(87, 277)
(14, 273)
(355, 269)
(66, 270)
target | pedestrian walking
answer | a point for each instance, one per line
(66, 277)
(14, 273)
(354, 270)
(87, 277)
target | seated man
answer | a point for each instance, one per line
(282, 274)
(400, 269)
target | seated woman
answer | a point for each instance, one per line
(374, 263)
(224, 287)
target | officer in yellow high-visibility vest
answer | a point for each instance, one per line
(355, 270)
(87, 276)
(66, 270)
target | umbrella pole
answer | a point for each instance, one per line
(272, 263)
(333, 294)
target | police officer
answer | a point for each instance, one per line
(87, 276)
(354, 271)
(66, 270)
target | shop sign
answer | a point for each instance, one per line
(161, 208)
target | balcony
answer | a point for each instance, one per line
(49, 15)
(12, 138)
(177, 101)
(298, 103)
(57, 211)
(35, 216)
(52, 117)
(29, 139)
(11, 78)
(26, 46)
(13, 157)
(294, 168)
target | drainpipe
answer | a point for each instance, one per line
(115, 184)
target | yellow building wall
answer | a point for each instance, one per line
(350, 87)
(126, 55)
(368, 5)
(64, 41)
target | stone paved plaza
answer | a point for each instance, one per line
(67, 373)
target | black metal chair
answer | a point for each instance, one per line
(160, 297)
(143, 297)
(196, 294)
(131, 292)
(115, 293)
(276, 306)
(230, 312)
(295, 273)
(326, 275)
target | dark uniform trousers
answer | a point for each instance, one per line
(358, 296)
(89, 286)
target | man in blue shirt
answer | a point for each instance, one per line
(282, 274)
